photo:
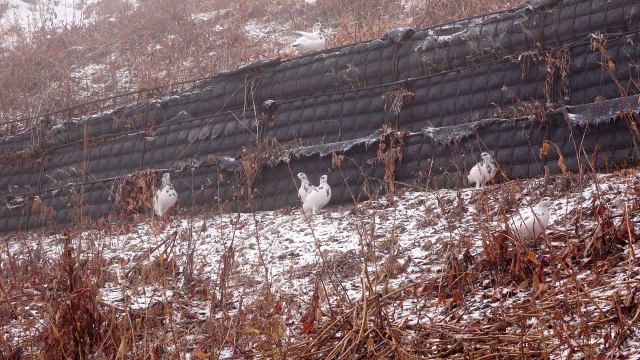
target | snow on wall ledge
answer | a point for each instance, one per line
(432, 157)
(601, 112)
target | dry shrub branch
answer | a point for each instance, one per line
(389, 153)
(135, 191)
(74, 321)
(395, 99)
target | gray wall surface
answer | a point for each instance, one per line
(504, 82)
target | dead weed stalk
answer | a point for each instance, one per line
(389, 153)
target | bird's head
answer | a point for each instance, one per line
(302, 176)
(319, 30)
(544, 203)
(487, 156)
(323, 179)
(166, 179)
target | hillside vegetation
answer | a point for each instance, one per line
(113, 47)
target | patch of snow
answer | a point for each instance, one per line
(289, 252)
(204, 16)
(257, 30)
(88, 71)
(124, 77)
(47, 13)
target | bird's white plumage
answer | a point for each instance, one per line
(165, 197)
(484, 171)
(305, 186)
(318, 197)
(315, 40)
(307, 35)
(528, 222)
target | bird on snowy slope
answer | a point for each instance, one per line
(315, 40)
(530, 222)
(484, 171)
(165, 197)
(318, 197)
(305, 186)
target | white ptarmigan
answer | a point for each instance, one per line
(484, 171)
(165, 197)
(305, 186)
(528, 222)
(318, 197)
(315, 40)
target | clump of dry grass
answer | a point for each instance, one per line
(556, 317)
(395, 99)
(389, 153)
(532, 287)
(73, 321)
(136, 191)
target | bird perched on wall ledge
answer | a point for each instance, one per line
(165, 197)
(305, 186)
(318, 197)
(315, 40)
(530, 222)
(484, 171)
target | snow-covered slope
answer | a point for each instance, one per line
(153, 43)
(31, 15)
(443, 256)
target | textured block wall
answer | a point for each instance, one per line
(505, 82)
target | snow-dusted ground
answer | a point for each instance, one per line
(31, 15)
(289, 253)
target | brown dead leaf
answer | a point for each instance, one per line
(594, 156)
(279, 329)
(336, 160)
(278, 307)
(36, 205)
(147, 201)
(561, 164)
(516, 262)
(313, 312)
(307, 326)
(202, 355)
(606, 337)
(611, 65)
(370, 345)
(599, 99)
(251, 331)
(457, 297)
(544, 150)
(538, 277)
(425, 288)
(531, 256)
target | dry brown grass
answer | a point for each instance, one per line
(539, 303)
